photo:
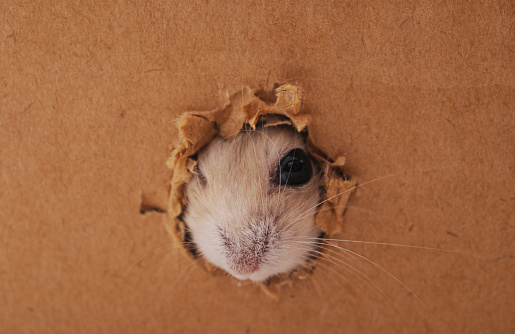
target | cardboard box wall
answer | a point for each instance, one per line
(88, 97)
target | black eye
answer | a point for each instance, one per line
(294, 169)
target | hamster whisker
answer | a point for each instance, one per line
(220, 140)
(342, 254)
(163, 261)
(267, 136)
(426, 170)
(302, 215)
(309, 272)
(325, 276)
(383, 269)
(383, 244)
(324, 265)
(275, 147)
(202, 190)
(164, 247)
(331, 274)
(332, 258)
(364, 278)
(357, 208)
(188, 268)
(259, 176)
(318, 242)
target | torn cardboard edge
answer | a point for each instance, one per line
(244, 109)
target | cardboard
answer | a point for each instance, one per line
(417, 96)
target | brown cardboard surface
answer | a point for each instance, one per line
(89, 94)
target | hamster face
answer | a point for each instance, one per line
(251, 203)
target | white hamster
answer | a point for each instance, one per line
(252, 203)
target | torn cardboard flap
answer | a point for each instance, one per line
(243, 108)
(288, 104)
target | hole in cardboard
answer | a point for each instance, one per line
(146, 208)
(150, 202)
(267, 96)
(244, 111)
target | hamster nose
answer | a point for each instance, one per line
(247, 250)
(245, 265)
(245, 270)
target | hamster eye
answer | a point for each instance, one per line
(294, 169)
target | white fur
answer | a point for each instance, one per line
(238, 217)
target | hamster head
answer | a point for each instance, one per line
(251, 203)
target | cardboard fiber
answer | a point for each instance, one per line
(244, 108)
(420, 94)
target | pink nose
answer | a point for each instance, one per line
(245, 267)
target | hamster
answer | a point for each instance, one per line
(251, 203)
